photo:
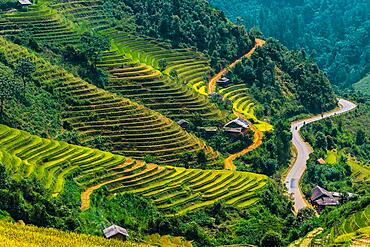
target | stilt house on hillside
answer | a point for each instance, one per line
(183, 123)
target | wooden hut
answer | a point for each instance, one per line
(116, 232)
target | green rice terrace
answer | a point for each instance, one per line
(144, 84)
(118, 112)
(43, 23)
(173, 190)
(243, 105)
(353, 229)
(133, 129)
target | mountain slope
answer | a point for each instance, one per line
(335, 33)
(126, 125)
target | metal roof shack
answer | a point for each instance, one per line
(183, 123)
(116, 232)
(238, 123)
(234, 131)
(24, 2)
(209, 129)
(223, 81)
(321, 161)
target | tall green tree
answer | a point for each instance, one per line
(10, 86)
(24, 69)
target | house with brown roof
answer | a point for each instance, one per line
(320, 198)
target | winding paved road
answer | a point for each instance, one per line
(304, 150)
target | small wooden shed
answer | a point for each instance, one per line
(24, 2)
(183, 123)
(116, 232)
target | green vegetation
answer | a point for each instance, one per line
(89, 109)
(101, 84)
(141, 82)
(17, 235)
(363, 85)
(334, 33)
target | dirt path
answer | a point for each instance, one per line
(85, 195)
(304, 150)
(212, 83)
(257, 141)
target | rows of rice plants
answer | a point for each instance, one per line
(17, 235)
(185, 65)
(191, 67)
(88, 13)
(132, 129)
(174, 190)
(41, 22)
(150, 87)
(354, 222)
(243, 105)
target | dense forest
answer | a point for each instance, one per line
(334, 33)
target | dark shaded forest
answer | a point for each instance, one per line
(334, 33)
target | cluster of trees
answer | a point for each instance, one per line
(343, 132)
(347, 135)
(13, 81)
(285, 82)
(274, 153)
(185, 23)
(335, 33)
(27, 200)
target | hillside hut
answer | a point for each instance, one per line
(24, 2)
(321, 161)
(183, 123)
(210, 130)
(237, 126)
(223, 81)
(116, 232)
(320, 198)
(234, 131)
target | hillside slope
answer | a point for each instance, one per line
(92, 111)
(31, 236)
(335, 33)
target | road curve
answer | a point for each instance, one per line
(304, 150)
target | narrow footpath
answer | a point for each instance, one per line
(304, 150)
(257, 140)
(212, 83)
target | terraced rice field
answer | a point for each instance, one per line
(88, 13)
(191, 67)
(354, 222)
(132, 129)
(242, 104)
(144, 84)
(173, 190)
(30, 236)
(42, 23)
